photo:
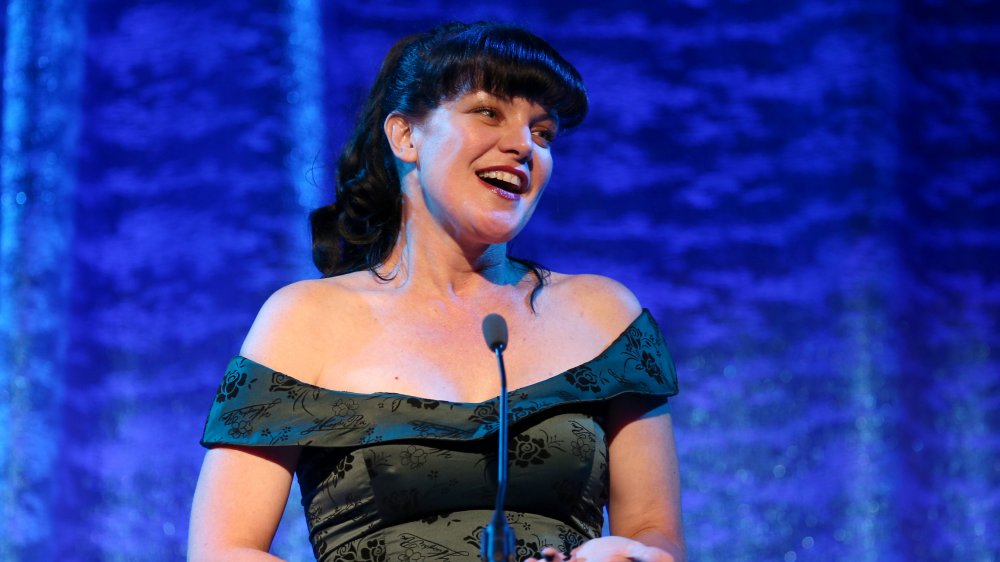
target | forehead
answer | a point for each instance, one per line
(533, 108)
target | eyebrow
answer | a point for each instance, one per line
(549, 115)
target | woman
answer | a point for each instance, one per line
(451, 154)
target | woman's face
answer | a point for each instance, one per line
(482, 164)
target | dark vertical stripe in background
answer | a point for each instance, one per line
(43, 60)
(806, 194)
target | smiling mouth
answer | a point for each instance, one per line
(506, 181)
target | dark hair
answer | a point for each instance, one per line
(359, 230)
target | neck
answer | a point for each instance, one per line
(429, 262)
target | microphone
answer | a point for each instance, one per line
(495, 332)
(497, 542)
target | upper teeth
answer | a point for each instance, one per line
(502, 176)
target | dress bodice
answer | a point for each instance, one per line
(387, 476)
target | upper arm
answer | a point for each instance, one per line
(643, 457)
(642, 452)
(242, 491)
(239, 500)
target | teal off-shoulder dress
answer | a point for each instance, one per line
(392, 477)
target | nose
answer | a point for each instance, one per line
(517, 141)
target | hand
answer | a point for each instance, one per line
(549, 554)
(616, 549)
(606, 549)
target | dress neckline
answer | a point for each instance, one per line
(523, 390)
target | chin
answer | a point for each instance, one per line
(501, 229)
(496, 239)
(497, 236)
(500, 233)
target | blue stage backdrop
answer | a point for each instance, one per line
(805, 193)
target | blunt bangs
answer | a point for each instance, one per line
(507, 62)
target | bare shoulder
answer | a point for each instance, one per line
(596, 301)
(295, 324)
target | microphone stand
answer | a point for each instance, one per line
(498, 540)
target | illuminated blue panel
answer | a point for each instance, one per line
(804, 193)
(43, 63)
(306, 168)
(305, 111)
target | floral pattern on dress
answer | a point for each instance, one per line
(486, 414)
(422, 548)
(380, 467)
(413, 457)
(423, 403)
(528, 450)
(369, 550)
(570, 539)
(342, 468)
(231, 384)
(583, 445)
(584, 378)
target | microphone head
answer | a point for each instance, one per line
(495, 332)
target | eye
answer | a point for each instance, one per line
(545, 136)
(487, 112)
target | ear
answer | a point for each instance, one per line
(399, 131)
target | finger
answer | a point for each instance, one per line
(550, 554)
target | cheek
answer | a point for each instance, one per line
(542, 170)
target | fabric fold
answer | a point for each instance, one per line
(258, 406)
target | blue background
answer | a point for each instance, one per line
(805, 193)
